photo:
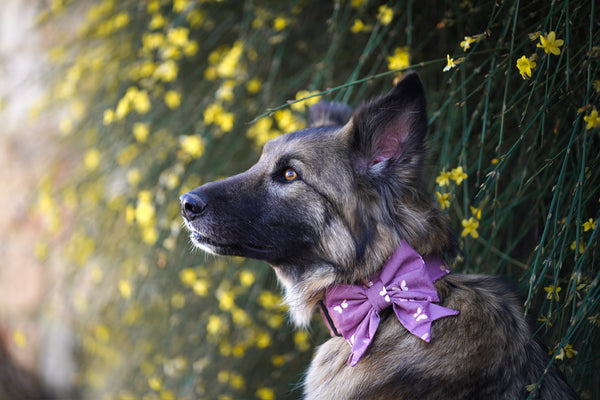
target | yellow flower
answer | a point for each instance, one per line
(357, 3)
(19, 338)
(200, 287)
(141, 101)
(144, 211)
(359, 26)
(180, 6)
(167, 71)
(261, 132)
(151, 41)
(65, 126)
(450, 63)
(155, 384)
(301, 340)
(247, 278)
(91, 160)
(550, 44)
(237, 381)
(458, 175)
(158, 21)
(229, 63)
(280, 23)
(195, 17)
(592, 120)
(264, 393)
(444, 178)
(120, 20)
(108, 117)
(400, 59)
(141, 131)
(301, 105)
(269, 300)
(287, 121)
(466, 44)
(226, 301)
(263, 340)
(543, 318)
(127, 155)
(525, 65)
(385, 15)
(191, 48)
(240, 317)
(214, 325)
(568, 350)
(225, 92)
(102, 333)
(551, 292)
(178, 36)
(129, 214)
(225, 121)
(253, 86)
(211, 112)
(134, 177)
(470, 227)
(192, 145)
(581, 247)
(476, 212)
(172, 99)
(125, 289)
(443, 199)
(589, 224)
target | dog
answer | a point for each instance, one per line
(340, 211)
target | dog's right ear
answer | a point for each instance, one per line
(391, 128)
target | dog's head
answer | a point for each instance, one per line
(328, 204)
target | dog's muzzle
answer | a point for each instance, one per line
(192, 205)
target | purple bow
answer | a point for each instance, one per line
(405, 283)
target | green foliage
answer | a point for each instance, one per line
(159, 94)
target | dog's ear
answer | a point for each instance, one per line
(391, 127)
(326, 113)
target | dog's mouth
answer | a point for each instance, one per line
(234, 249)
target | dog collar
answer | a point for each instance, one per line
(405, 283)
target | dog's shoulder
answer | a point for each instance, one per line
(489, 342)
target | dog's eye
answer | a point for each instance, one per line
(290, 175)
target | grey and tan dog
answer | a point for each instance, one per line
(328, 206)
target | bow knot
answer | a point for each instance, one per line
(378, 296)
(405, 283)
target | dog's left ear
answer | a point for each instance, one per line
(391, 127)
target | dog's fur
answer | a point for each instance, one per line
(355, 190)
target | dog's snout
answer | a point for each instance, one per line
(192, 205)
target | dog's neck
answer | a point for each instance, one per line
(303, 295)
(404, 284)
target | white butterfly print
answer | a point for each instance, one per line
(419, 315)
(383, 293)
(341, 307)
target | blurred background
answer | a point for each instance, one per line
(109, 110)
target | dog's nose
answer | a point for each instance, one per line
(192, 205)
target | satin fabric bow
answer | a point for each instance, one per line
(405, 283)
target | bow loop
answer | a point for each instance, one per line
(405, 283)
